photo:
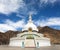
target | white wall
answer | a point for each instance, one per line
(16, 43)
(43, 43)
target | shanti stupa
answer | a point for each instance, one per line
(30, 37)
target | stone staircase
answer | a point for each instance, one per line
(29, 43)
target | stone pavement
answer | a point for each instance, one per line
(54, 47)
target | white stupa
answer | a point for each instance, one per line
(30, 37)
(30, 25)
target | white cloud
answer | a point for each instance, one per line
(52, 1)
(49, 22)
(48, 1)
(32, 12)
(18, 15)
(9, 6)
(44, 3)
(5, 27)
(10, 25)
(18, 24)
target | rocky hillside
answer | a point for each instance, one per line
(5, 37)
(53, 34)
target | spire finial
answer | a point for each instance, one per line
(30, 17)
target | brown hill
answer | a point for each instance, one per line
(5, 37)
(53, 34)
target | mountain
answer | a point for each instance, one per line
(51, 33)
(5, 37)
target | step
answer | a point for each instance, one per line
(29, 43)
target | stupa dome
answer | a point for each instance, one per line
(30, 24)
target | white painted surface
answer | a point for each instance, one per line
(38, 37)
(43, 43)
(29, 43)
(16, 43)
(30, 24)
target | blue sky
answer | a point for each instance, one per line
(14, 13)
